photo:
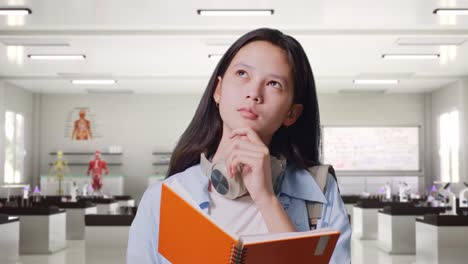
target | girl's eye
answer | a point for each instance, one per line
(241, 73)
(274, 84)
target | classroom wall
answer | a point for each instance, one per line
(378, 110)
(145, 123)
(464, 132)
(140, 123)
(448, 98)
(16, 99)
(445, 99)
(2, 131)
(372, 109)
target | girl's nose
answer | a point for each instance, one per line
(254, 93)
(256, 99)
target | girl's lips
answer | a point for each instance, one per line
(248, 114)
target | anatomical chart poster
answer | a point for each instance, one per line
(81, 125)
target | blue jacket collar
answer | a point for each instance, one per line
(195, 181)
(299, 183)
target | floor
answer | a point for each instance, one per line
(361, 251)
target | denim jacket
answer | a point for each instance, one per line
(296, 188)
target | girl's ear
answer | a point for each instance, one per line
(293, 114)
(217, 92)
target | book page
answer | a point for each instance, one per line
(250, 239)
(315, 246)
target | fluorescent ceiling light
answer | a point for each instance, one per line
(361, 91)
(451, 11)
(410, 56)
(97, 81)
(431, 41)
(15, 11)
(215, 56)
(56, 57)
(375, 81)
(235, 12)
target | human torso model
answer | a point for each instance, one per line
(95, 169)
(463, 199)
(73, 191)
(82, 128)
(59, 168)
(404, 191)
(387, 191)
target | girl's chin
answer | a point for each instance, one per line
(255, 126)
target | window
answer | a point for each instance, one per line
(14, 147)
(449, 146)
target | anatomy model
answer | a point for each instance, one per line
(96, 167)
(73, 191)
(404, 191)
(387, 191)
(59, 168)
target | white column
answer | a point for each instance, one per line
(427, 146)
(2, 130)
(36, 137)
(464, 131)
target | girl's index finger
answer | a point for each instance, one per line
(248, 132)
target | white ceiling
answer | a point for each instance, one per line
(152, 46)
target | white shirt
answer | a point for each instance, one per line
(237, 217)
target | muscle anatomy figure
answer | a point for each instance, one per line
(96, 167)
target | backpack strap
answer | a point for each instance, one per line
(320, 175)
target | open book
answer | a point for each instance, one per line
(189, 235)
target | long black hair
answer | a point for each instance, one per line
(299, 143)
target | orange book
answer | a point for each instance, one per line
(189, 235)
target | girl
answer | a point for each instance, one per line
(260, 105)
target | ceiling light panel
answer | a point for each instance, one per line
(56, 56)
(34, 42)
(431, 41)
(235, 12)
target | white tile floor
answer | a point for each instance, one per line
(366, 251)
(361, 251)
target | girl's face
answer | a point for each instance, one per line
(257, 90)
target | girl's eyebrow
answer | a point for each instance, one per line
(245, 65)
(282, 78)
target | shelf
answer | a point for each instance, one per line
(157, 176)
(86, 164)
(85, 176)
(160, 163)
(86, 153)
(162, 153)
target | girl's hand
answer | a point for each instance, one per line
(249, 150)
